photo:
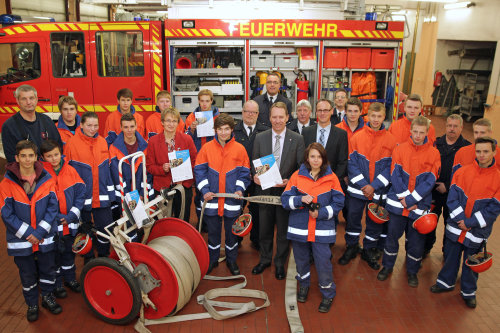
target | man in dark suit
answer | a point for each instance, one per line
(303, 120)
(288, 150)
(331, 137)
(340, 102)
(245, 132)
(273, 84)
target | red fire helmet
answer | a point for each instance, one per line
(242, 225)
(426, 223)
(82, 244)
(380, 215)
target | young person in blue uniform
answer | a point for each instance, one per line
(70, 192)
(28, 205)
(222, 166)
(314, 196)
(474, 205)
(415, 168)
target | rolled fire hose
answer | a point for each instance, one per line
(183, 261)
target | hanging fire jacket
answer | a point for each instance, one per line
(474, 198)
(70, 191)
(414, 173)
(112, 127)
(117, 151)
(25, 215)
(64, 131)
(364, 87)
(90, 157)
(326, 192)
(370, 161)
(154, 125)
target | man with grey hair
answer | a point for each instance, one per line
(303, 120)
(27, 124)
(448, 145)
(244, 133)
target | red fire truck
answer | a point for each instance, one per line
(92, 61)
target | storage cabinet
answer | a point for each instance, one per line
(288, 58)
(214, 65)
(345, 60)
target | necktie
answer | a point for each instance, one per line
(276, 150)
(270, 100)
(322, 137)
(250, 130)
(302, 129)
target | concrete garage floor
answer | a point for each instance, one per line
(362, 304)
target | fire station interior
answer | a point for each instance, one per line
(445, 51)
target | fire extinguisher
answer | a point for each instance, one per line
(438, 76)
(302, 86)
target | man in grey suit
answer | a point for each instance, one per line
(288, 149)
(331, 137)
(273, 84)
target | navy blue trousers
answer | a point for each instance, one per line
(452, 260)
(415, 245)
(373, 231)
(321, 253)
(32, 271)
(65, 261)
(101, 217)
(214, 237)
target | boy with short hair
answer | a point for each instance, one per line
(474, 203)
(415, 168)
(205, 101)
(28, 205)
(369, 169)
(70, 191)
(153, 123)
(69, 120)
(128, 142)
(112, 125)
(352, 122)
(88, 153)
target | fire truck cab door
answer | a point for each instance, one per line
(70, 59)
(23, 60)
(121, 58)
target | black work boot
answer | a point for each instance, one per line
(49, 302)
(350, 253)
(32, 313)
(74, 286)
(325, 305)
(60, 292)
(368, 256)
(302, 294)
(384, 273)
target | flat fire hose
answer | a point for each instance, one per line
(292, 310)
(265, 199)
(185, 265)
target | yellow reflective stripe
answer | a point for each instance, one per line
(367, 33)
(205, 32)
(19, 30)
(9, 32)
(30, 28)
(359, 33)
(218, 32)
(48, 27)
(196, 32)
(347, 33)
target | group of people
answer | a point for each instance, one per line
(341, 160)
